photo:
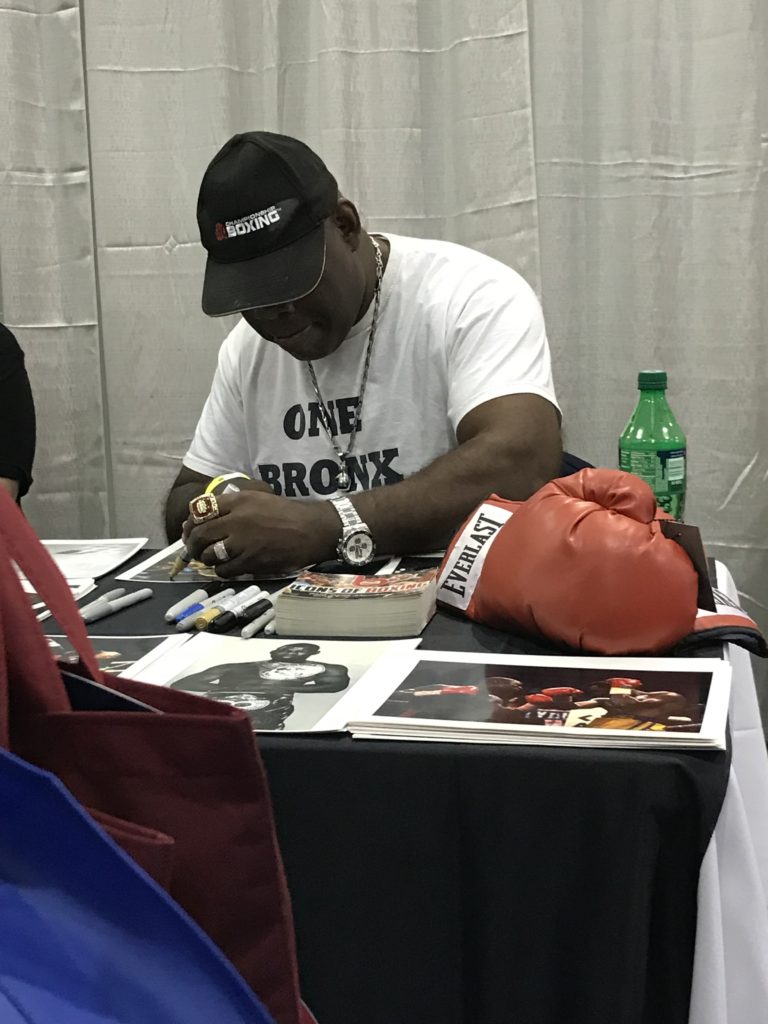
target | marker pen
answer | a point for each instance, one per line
(176, 609)
(186, 620)
(109, 607)
(258, 624)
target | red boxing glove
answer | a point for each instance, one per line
(582, 562)
(561, 691)
(621, 682)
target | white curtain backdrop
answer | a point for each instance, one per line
(614, 152)
(47, 275)
(651, 141)
(393, 96)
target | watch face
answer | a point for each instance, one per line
(358, 548)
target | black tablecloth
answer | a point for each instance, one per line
(459, 884)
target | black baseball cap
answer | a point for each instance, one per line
(261, 211)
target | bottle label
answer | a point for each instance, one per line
(664, 471)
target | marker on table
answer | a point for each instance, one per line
(258, 624)
(104, 608)
(242, 615)
(266, 619)
(220, 605)
(190, 599)
(241, 599)
(252, 599)
(186, 619)
(206, 602)
(111, 595)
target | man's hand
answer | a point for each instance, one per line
(509, 446)
(264, 533)
(187, 485)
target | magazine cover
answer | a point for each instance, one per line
(123, 655)
(78, 559)
(525, 699)
(348, 585)
(157, 568)
(283, 685)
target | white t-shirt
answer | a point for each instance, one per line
(456, 328)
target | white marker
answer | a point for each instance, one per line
(108, 607)
(193, 598)
(229, 603)
(111, 595)
(186, 621)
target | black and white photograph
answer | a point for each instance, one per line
(78, 559)
(122, 655)
(283, 684)
(79, 588)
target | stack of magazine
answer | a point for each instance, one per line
(399, 604)
(564, 701)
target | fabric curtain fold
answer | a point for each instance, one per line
(613, 153)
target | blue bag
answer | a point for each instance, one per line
(86, 936)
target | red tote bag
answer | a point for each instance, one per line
(184, 791)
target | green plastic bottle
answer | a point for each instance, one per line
(653, 446)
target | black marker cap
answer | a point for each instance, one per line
(227, 620)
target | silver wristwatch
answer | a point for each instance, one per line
(355, 546)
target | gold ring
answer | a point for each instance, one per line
(203, 507)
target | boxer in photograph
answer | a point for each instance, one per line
(264, 711)
(288, 670)
(448, 703)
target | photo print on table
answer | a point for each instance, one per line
(79, 588)
(283, 684)
(586, 698)
(119, 654)
(78, 559)
(586, 701)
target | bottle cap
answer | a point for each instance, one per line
(652, 380)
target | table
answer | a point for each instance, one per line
(730, 978)
(485, 885)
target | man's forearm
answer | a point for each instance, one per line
(424, 511)
(12, 486)
(508, 446)
(177, 507)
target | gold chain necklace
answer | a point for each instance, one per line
(343, 479)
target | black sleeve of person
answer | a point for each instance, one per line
(17, 414)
